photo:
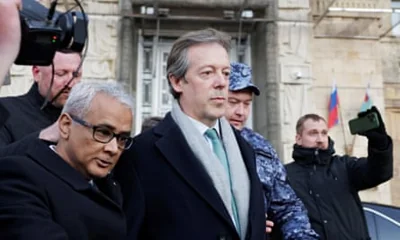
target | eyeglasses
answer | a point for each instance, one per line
(104, 134)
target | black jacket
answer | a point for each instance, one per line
(42, 197)
(329, 184)
(25, 116)
(181, 201)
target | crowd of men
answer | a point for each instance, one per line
(71, 170)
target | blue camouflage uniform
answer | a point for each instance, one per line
(282, 205)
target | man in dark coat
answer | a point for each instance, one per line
(329, 184)
(65, 191)
(27, 113)
(197, 174)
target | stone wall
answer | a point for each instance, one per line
(390, 52)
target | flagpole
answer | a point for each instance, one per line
(351, 148)
(340, 112)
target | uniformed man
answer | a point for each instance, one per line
(282, 206)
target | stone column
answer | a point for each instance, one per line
(127, 46)
(282, 69)
(266, 110)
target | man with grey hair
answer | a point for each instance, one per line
(197, 174)
(65, 191)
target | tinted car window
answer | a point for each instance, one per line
(370, 217)
(386, 229)
(390, 211)
(382, 221)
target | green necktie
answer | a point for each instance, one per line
(220, 152)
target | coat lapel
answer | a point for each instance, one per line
(177, 152)
(41, 153)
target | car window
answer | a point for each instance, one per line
(370, 217)
(387, 230)
(390, 211)
(382, 222)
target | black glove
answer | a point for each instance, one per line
(377, 137)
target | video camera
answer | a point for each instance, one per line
(45, 31)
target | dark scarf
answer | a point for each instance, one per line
(306, 156)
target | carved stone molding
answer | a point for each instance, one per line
(294, 41)
(90, 6)
(319, 6)
(207, 3)
(294, 4)
(102, 53)
(296, 73)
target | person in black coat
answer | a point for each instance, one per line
(28, 114)
(328, 184)
(196, 173)
(66, 191)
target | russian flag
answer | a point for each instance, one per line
(333, 118)
(367, 104)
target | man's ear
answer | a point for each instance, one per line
(36, 73)
(298, 139)
(176, 83)
(64, 125)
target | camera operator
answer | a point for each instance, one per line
(10, 38)
(10, 35)
(21, 118)
(26, 114)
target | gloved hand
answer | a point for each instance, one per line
(377, 137)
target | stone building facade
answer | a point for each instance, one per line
(297, 49)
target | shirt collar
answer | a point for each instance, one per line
(202, 128)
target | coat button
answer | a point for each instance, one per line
(317, 195)
(325, 221)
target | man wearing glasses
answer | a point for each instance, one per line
(65, 191)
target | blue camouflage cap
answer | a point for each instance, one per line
(240, 78)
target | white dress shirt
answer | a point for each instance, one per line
(202, 128)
